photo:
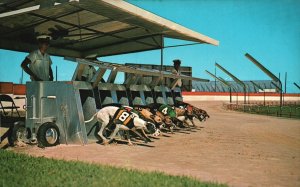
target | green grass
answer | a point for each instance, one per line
(292, 111)
(22, 170)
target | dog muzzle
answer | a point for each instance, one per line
(157, 133)
(151, 128)
(203, 117)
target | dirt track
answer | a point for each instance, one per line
(234, 148)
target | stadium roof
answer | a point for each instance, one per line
(87, 28)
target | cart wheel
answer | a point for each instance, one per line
(18, 134)
(48, 135)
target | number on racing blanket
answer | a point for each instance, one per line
(165, 111)
(124, 116)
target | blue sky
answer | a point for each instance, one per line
(269, 30)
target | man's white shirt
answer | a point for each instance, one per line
(179, 82)
(39, 64)
(88, 72)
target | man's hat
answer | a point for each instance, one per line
(44, 38)
(177, 61)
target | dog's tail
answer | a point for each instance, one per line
(90, 119)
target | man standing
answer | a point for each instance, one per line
(38, 63)
(176, 70)
(88, 73)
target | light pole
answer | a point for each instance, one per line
(267, 72)
(297, 85)
(260, 88)
(222, 81)
(278, 87)
(234, 78)
(231, 88)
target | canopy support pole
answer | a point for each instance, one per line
(162, 53)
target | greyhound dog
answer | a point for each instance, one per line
(165, 112)
(145, 115)
(198, 113)
(122, 119)
(179, 116)
(185, 117)
(149, 116)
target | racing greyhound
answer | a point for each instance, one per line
(198, 113)
(165, 112)
(149, 116)
(122, 119)
(145, 115)
(185, 117)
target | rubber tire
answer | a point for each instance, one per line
(12, 138)
(41, 135)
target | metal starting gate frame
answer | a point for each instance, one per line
(69, 103)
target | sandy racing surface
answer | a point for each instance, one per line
(234, 148)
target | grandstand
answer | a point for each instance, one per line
(217, 86)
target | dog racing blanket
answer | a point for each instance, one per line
(167, 110)
(124, 117)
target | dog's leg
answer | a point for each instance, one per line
(183, 120)
(103, 121)
(164, 127)
(187, 123)
(191, 119)
(171, 128)
(145, 135)
(137, 133)
(190, 123)
(140, 124)
(113, 134)
(193, 123)
(100, 133)
(128, 139)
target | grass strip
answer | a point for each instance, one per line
(23, 170)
